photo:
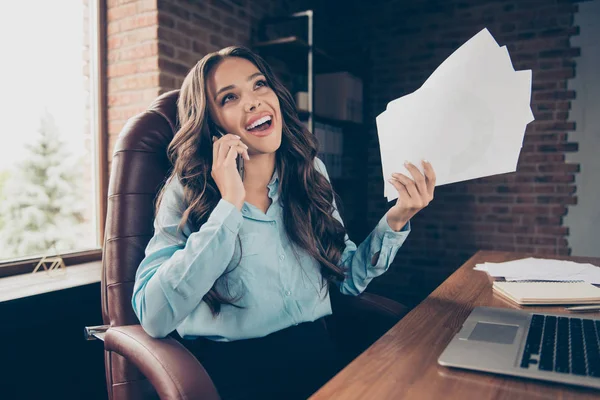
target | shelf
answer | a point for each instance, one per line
(290, 55)
(294, 50)
(351, 125)
(285, 42)
(344, 180)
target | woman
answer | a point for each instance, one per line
(241, 268)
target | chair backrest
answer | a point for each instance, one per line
(139, 168)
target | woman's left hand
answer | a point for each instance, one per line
(413, 194)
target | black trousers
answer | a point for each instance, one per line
(289, 364)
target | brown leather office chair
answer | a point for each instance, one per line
(137, 365)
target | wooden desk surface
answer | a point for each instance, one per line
(403, 362)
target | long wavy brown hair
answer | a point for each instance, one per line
(305, 194)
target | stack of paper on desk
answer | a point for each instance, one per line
(468, 119)
(530, 293)
(529, 269)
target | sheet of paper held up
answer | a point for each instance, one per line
(528, 269)
(468, 119)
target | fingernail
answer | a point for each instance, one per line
(247, 157)
(425, 161)
(237, 136)
(406, 162)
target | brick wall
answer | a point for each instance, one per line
(152, 44)
(132, 61)
(515, 212)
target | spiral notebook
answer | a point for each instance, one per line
(547, 293)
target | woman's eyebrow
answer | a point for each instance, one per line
(226, 88)
(254, 75)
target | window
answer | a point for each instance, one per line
(48, 145)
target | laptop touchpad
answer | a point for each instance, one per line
(494, 333)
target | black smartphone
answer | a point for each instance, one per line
(218, 133)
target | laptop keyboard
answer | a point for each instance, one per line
(563, 344)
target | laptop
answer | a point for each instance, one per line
(551, 347)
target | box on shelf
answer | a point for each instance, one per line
(302, 101)
(331, 148)
(339, 95)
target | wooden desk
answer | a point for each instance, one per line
(403, 362)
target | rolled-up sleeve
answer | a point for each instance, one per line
(181, 266)
(382, 244)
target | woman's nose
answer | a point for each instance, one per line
(252, 104)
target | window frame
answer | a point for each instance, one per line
(98, 37)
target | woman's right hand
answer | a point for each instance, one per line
(224, 168)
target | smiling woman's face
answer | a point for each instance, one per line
(241, 102)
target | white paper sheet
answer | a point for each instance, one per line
(482, 43)
(468, 119)
(542, 269)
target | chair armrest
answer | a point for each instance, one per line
(172, 370)
(379, 305)
(369, 305)
(358, 321)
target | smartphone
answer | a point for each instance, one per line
(218, 133)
